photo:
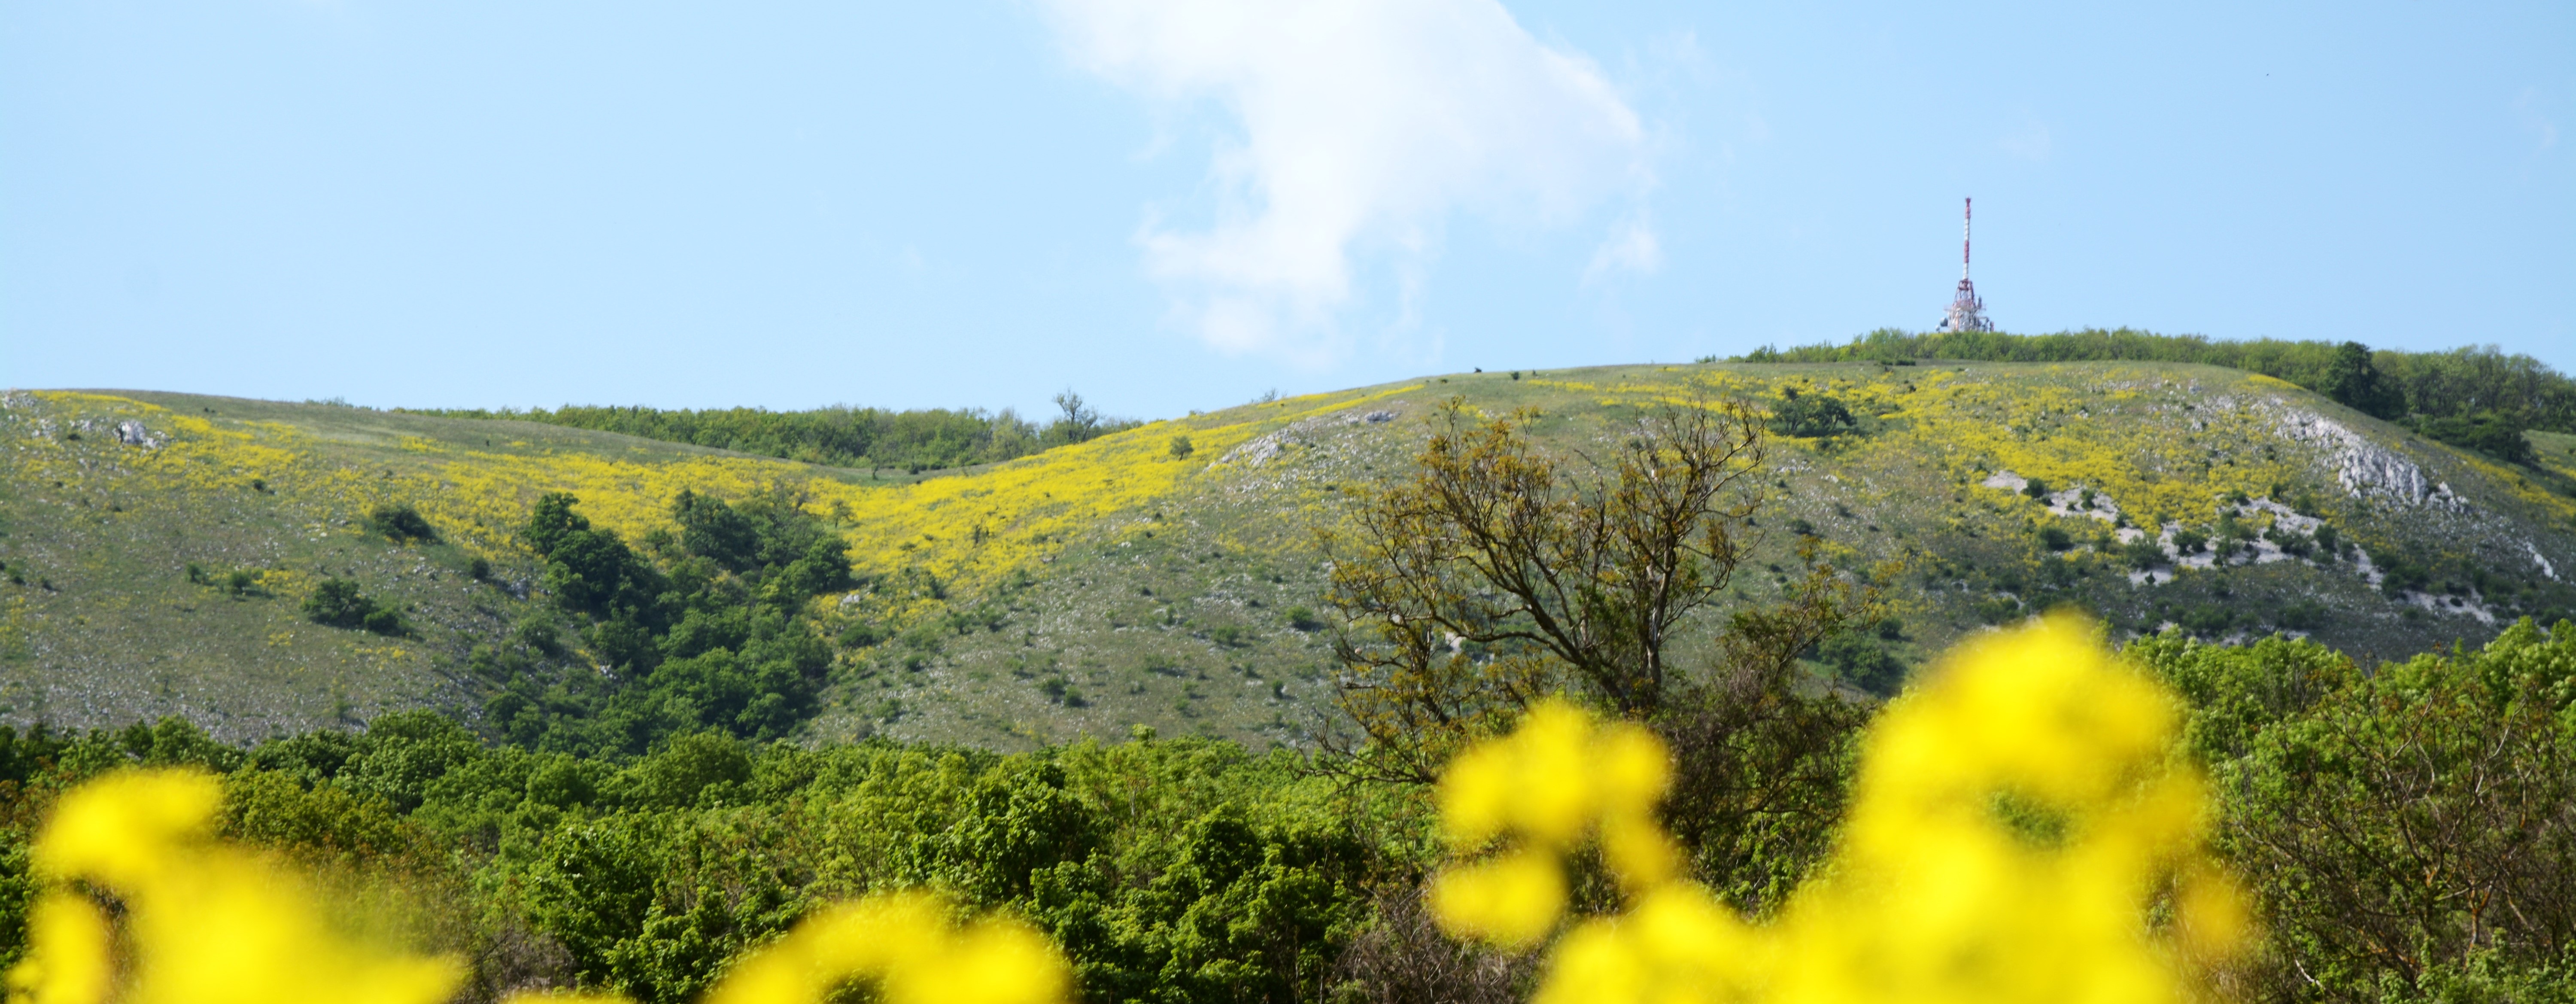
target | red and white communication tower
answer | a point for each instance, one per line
(1967, 313)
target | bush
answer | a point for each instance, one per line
(1303, 619)
(2036, 488)
(2189, 541)
(1861, 662)
(1811, 416)
(1182, 448)
(402, 522)
(2142, 553)
(2496, 435)
(2055, 539)
(2305, 615)
(2207, 620)
(338, 603)
(2399, 575)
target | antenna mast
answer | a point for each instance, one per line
(1967, 312)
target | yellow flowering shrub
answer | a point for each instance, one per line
(2021, 822)
(209, 923)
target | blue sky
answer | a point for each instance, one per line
(1177, 204)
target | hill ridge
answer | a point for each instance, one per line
(1125, 581)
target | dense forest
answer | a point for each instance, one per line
(2481, 398)
(841, 436)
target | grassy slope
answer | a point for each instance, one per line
(1098, 587)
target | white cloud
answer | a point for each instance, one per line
(1363, 124)
(1633, 249)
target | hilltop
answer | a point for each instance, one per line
(160, 549)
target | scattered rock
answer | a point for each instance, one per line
(2363, 467)
(133, 433)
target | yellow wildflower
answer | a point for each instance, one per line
(208, 923)
(1552, 783)
(2014, 820)
(906, 943)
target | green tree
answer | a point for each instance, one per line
(2497, 435)
(2406, 830)
(1811, 416)
(2352, 380)
(1497, 574)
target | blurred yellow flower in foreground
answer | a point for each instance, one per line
(1554, 782)
(209, 923)
(2018, 820)
(906, 943)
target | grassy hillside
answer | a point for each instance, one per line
(1114, 583)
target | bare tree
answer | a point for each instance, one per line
(1499, 573)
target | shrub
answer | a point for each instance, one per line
(1861, 662)
(1303, 619)
(2497, 435)
(401, 522)
(480, 569)
(2036, 488)
(1811, 416)
(1182, 448)
(2189, 541)
(2305, 615)
(2055, 539)
(338, 603)
(2206, 620)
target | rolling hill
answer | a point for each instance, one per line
(157, 550)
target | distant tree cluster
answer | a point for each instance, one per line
(841, 436)
(2478, 397)
(713, 635)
